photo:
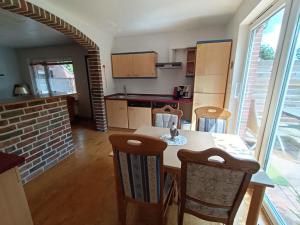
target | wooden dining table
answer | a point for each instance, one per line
(199, 141)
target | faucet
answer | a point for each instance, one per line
(124, 90)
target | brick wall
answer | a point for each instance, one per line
(41, 15)
(39, 130)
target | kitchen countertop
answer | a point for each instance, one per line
(8, 161)
(20, 99)
(148, 97)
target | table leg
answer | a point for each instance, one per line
(255, 204)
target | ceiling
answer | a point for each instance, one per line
(129, 17)
(120, 17)
(21, 32)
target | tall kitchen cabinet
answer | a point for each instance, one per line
(211, 73)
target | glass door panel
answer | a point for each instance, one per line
(283, 161)
(260, 60)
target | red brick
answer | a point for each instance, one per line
(27, 142)
(28, 129)
(58, 144)
(27, 123)
(50, 106)
(33, 109)
(16, 106)
(3, 123)
(54, 99)
(37, 102)
(7, 129)
(30, 116)
(38, 149)
(44, 118)
(14, 120)
(29, 159)
(41, 136)
(28, 135)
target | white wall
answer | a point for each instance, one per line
(162, 43)
(102, 38)
(74, 52)
(9, 67)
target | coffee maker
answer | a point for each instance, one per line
(182, 91)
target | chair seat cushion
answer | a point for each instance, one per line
(206, 210)
(169, 180)
(212, 125)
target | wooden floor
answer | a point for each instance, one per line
(81, 190)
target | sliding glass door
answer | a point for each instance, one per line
(257, 80)
(283, 156)
(269, 115)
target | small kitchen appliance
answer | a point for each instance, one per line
(182, 91)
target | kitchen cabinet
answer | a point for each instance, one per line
(138, 117)
(122, 65)
(190, 62)
(134, 65)
(213, 58)
(211, 74)
(116, 113)
(13, 203)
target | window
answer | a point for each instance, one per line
(54, 77)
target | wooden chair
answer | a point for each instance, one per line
(139, 173)
(212, 119)
(212, 189)
(165, 116)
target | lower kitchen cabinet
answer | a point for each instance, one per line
(13, 203)
(117, 114)
(138, 117)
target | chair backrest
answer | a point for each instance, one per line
(166, 116)
(138, 163)
(214, 182)
(212, 119)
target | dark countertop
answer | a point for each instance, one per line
(148, 97)
(8, 161)
(20, 99)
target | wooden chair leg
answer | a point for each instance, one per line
(162, 218)
(122, 208)
(180, 215)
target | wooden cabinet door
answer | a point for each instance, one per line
(213, 84)
(139, 117)
(213, 58)
(122, 65)
(116, 112)
(14, 208)
(144, 64)
(201, 99)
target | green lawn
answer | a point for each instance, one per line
(277, 178)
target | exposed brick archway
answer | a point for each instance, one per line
(34, 12)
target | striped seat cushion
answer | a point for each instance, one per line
(140, 176)
(165, 120)
(212, 125)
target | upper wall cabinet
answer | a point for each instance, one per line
(134, 65)
(213, 58)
